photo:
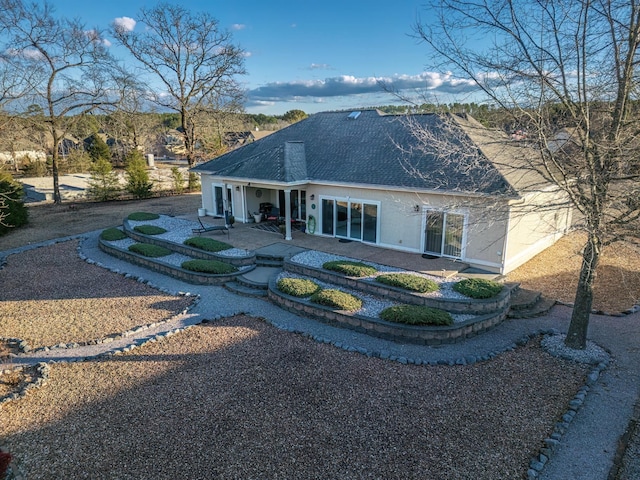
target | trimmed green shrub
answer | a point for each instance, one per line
(409, 282)
(13, 212)
(350, 268)
(478, 288)
(416, 315)
(337, 299)
(143, 216)
(112, 234)
(149, 229)
(149, 250)
(209, 266)
(298, 287)
(208, 244)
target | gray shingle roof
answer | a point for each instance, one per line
(373, 149)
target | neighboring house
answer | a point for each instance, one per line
(440, 185)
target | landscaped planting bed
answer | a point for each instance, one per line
(207, 244)
(478, 288)
(149, 229)
(153, 251)
(113, 234)
(350, 268)
(213, 267)
(416, 315)
(409, 281)
(445, 297)
(142, 216)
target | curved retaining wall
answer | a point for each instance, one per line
(188, 276)
(466, 306)
(186, 249)
(423, 335)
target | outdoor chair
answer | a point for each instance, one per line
(273, 215)
(210, 228)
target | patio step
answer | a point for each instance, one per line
(244, 290)
(269, 261)
(529, 304)
(253, 283)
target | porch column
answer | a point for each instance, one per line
(287, 214)
(225, 204)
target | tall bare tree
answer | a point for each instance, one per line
(566, 73)
(68, 64)
(195, 62)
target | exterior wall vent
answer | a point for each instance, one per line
(353, 115)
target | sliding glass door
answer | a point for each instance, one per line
(354, 220)
(444, 234)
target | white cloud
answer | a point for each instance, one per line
(28, 53)
(124, 24)
(320, 66)
(345, 85)
(238, 26)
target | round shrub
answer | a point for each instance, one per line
(478, 288)
(416, 315)
(297, 287)
(149, 229)
(112, 234)
(337, 299)
(409, 282)
(149, 250)
(208, 244)
(214, 267)
(350, 268)
(143, 216)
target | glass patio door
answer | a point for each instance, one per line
(350, 219)
(444, 234)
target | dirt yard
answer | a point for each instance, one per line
(553, 272)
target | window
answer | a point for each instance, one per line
(444, 234)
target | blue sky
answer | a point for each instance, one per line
(308, 55)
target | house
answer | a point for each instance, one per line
(436, 184)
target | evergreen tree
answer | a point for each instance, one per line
(13, 212)
(138, 182)
(104, 184)
(98, 149)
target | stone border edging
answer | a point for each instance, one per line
(421, 335)
(538, 462)
(41, 376)
(465, 306)
(186, 249)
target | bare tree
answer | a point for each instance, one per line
(193, 59)
(68, 65)
(566, 73)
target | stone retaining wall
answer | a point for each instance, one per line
(188, 276)
(466, 306)
(250, 259)
(423, 335)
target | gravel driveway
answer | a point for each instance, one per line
(238, 398)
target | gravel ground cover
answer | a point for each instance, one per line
(240, 399)
(50, 296)
(555, 273)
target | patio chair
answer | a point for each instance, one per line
(273, 215)
(210, 228)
